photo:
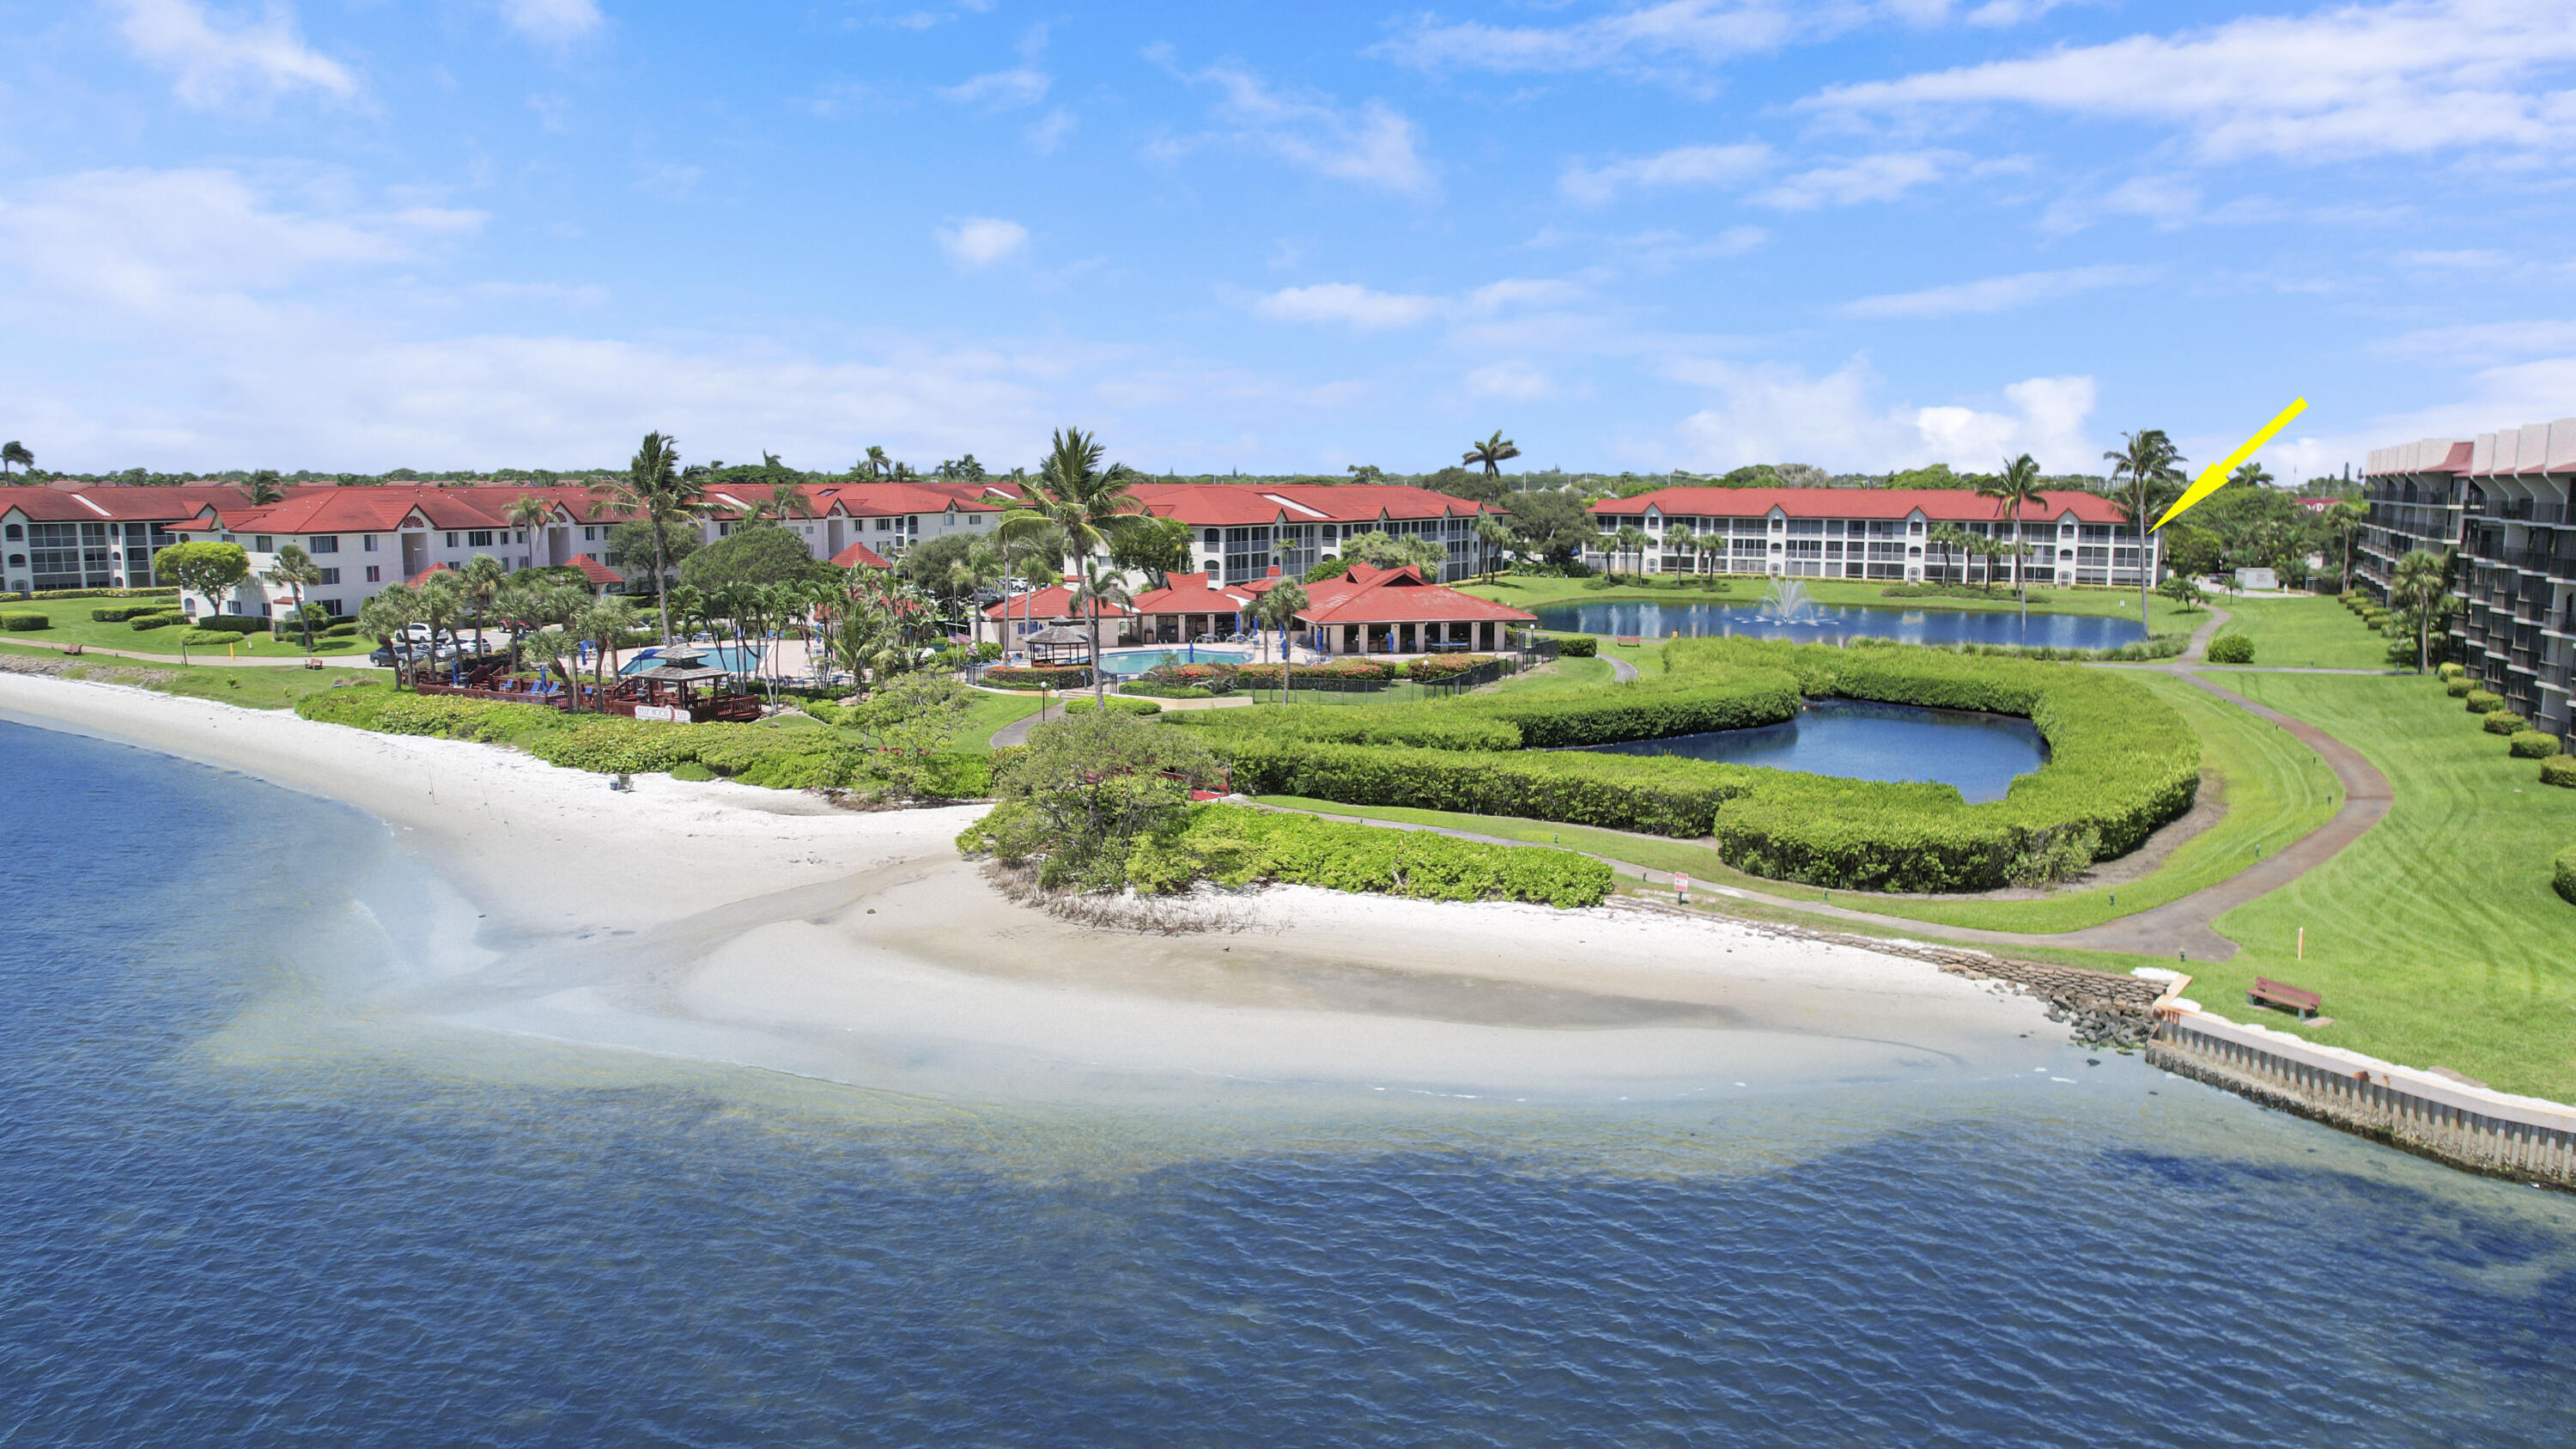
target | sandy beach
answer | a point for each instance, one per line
(735, 924)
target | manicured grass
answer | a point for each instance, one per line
(77, 627)
(991, 712)
(2436, 938)
(1562, 675)
(2306, 633)
(251, 688)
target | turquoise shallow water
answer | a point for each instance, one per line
(219, 1227)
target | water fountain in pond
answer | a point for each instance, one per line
(1786, 600)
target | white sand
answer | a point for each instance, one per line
(736, 924)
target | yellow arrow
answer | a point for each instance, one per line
(2214, 477)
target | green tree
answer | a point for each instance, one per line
(210, 570)
(1632, 543)
(1277, 608)
(264, 488)
(1491, 454)
(1495, 537)
(1090, 503)
(875, 464)
(2421, 588)
(1552, 523)
(604, 624)
(2183, 589)
(2344, 521)
(15, 452)
(2147, 459)
(530, 515)
(479, 583)
(2013, 490)
(443, 601)
(759, 554)
(389, 617)
(1085, 791)
(1099, 591)
(655, 491)
(296, 571)
(1155, 547)
(1951, 540)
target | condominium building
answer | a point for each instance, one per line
(1895, 534)
(2498, 505)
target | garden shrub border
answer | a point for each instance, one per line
(2563, 876)
(1237, 845)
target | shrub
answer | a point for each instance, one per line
(147, 622)
(2459, 688)
(1579, 646)
(691, 770)
(2563, 878)
(340, 631)
(1207, 676)
(1117, 702)
(2231, 649)
(1444, 666)
(1048, 676)
(119, 613)
(1147, 689)
(2504, 722)
(2450, 671)
(169, 595)
(209, 638)
(2559, 770)
(18, 622)
(2481, 701)
(232, 624)
(1083, 792)
(1236, 846)
(2531, 744)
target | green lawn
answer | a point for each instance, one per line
(1556, 678)
(2309, 633)
(251, 688)
(2435, 938)
(2275, 790)
(991, 712)
(75, 626)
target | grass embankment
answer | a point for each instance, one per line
(2436, 938)
(251, 687)
(990, 712)
(73, 625)
(2303, 633)
(2274, 788)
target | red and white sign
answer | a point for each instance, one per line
(667, 713)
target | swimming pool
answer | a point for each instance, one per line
(1127, 663)
(740, 659)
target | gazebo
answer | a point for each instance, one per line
(682, 687)
(1058, 644)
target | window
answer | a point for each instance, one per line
(17, 560)
(262, 543)
(331, 576)
(375, 573)
(590, 535)
(451, 540)
(885, 525)
(371, 543)
(16, 533)
(323, 543)
(478, 538)
(973, 520)
(331, 607)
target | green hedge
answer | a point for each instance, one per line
(1656, 794)
(2450, 671)
(606, 744)
(1044, 677)
(2559, 771)
(2564, 878)
(25, 621)
(46, 594)
(1648, 710)
(1580, 646)
(1235, 845)
(232, 624)
(1117, 702)
(2531, 744)
(2504, 722)
(2481, 701)
(144, 623)
(2458, 688)
(209, 638)
(1144, 689)
(2231, 649)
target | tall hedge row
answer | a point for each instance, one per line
(1648, 710)
(1237, 846)
(1620, 792)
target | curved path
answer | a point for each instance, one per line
(2182, 925)
(270, 662)
(1621, 671)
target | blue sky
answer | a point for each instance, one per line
(358, 234)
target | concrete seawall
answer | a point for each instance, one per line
(2471, 1127)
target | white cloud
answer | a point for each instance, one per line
(220, 60)
(980, 241)
(1002, 89)
(1762, 413)
(1882, 177)
(2412, 77)
(1048, 135)
(1997, 294)
(1695, 32)
(1374, 145)
(2481, 341)
(1512, 379)
(1349, 304)
(553, 22)
(1681, 166)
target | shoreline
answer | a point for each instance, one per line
(770, 929)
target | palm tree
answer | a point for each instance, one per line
(602, 623)
(876, 464)
(1709, 550)
(1497, 537)
(1491, 453)
(264, 488)
(1091, 504)
(1278, 609)
(2014, 489)
(2250, 473)
(389, 616)
(2421, 586)
(2344, 521)
(442, 599)
(16, 452)
(530, 515)
(2146, 458)
(1632, 540)
(1099, 590)
(480, 584)
(296, 570)
(657, 492)
(1951, 539)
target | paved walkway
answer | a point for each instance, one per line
(1621, 671)
(210, 654)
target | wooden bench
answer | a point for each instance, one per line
(2268, 992)
(1629, 641)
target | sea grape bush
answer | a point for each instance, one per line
(1235, 845)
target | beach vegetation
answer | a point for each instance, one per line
(1237, 845)
(1084, 791)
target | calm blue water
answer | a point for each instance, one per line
(740, 658)
(1845, 621)
(1137, 661)
(221, 1227)
(1979, 753)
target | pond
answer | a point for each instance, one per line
(1862, 740)
(1824, 623)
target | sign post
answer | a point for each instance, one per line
(1681, 888)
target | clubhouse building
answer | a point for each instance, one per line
(1900, 535)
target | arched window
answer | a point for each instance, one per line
(16, 533)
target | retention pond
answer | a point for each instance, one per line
(1978, 753)
(1825, 623)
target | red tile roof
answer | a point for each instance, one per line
(1368, 595)
(1192, 594)
(1207, 505)
(49, 505)
(1940, 505)
(1052, 602)
(859, 556)
(436, 568)
(598, 573)
(886, 498)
